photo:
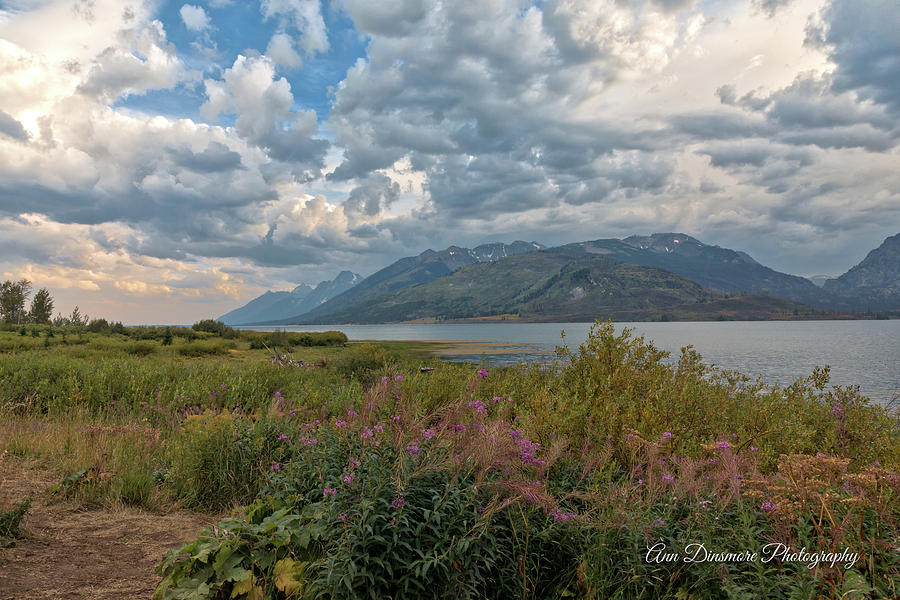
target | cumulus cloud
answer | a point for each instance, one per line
(303, 16)
(263, 105)
(194, 17)
(281, 51)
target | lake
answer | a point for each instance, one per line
(864, 353)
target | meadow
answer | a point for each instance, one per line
(374, 471)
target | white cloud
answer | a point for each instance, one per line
(194, 17)
(305, 16)
(281, 51)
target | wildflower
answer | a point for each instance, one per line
(767, 506)
(398, 501)
(379, 428)
(340, 424)
(354, 463)
(497, 399)
(515, 433)
(349, 477)
(384, 380)
(753, 448)
(480, 510)
(428, 433)
(837, 411)
(342, 516)
(398, 378)
(877, 463)
(459, 428)
(366, 434)
(282, 437)
(276, 467)
(561, 515)
(666, 435)
(660, 521)
(395, 418)
(412, 449)
(723, 445)
(351, 413)
(478, 407)
(714, 461)
(482, 373)
(329, 491)
(668, 478)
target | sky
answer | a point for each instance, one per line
(163, 162)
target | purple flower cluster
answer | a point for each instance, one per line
(482, 373)
(308, 441)
(527, 451)
(478, 407)
(666, 435)
(767, 506)
(366, 434)
(329, 491)
(723, 446)
(428, 433)
(562, 515)
(668, 478)
(398, 501)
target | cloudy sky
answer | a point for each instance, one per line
(165, 162)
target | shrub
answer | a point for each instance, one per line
(11, 520)
(215, 327)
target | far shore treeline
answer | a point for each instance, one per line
(36, 321)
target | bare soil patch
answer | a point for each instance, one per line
(76, 553)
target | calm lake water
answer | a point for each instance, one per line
(864, 353)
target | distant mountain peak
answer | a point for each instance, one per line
(662, 242)
(875, 282)
(278, 305)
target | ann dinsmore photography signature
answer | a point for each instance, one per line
(698, 552)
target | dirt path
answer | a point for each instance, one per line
(72, 553)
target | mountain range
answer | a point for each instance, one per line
(283, 305)
(664, 275)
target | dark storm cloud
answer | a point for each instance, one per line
(719, 124)
(861, 38)
(807, 112)
(216, 157)
(376, 193)
(12, 127)
(754, 153)
(770, 7)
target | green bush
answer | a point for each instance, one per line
(11, 520)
